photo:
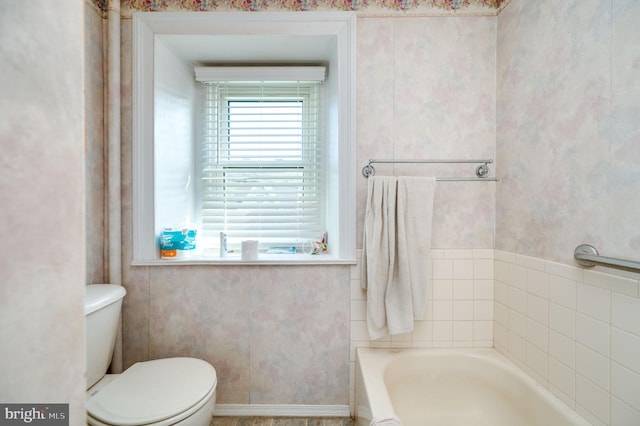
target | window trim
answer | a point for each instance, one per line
(339, 26)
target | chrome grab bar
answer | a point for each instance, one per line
(587, 255)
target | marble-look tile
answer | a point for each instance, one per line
(135, 316)
(624, 236)
(375, 93)
(282, 421)
(425, 90)
(428, 92)
(566, 181)
(300, 336)
(225, 421)
(262, 421)
(203, 312)
(444, 87)
(289, 421)
(246, 421)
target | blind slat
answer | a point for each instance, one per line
(262, 162)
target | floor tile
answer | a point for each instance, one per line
(281, 421)
(223, 421)
(289, 421)
(262, 421)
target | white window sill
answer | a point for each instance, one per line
(263, 259)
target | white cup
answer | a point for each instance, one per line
(249, 250)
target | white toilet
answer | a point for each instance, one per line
(171, 391)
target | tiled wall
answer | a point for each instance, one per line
(568, 134)
(258, 325)
(567, 145)
(459, 309)
(427, 89)
(576, 331)
(275, 335)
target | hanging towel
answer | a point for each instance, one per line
(396, 252)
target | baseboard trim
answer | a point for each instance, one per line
(273, 410)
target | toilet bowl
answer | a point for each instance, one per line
(171, 391)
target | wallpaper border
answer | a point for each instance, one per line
(365, 7)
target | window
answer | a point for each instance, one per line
(263, 153)
(192, 165)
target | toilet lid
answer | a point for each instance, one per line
(152, 391)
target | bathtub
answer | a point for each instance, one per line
(422, 387)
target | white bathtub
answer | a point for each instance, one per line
(422, 387)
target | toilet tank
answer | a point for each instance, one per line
(102, 305)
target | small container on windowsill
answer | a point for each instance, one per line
(249, 250)
(223, 244)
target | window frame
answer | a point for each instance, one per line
(337, 27)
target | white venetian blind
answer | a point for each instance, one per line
(262, 154)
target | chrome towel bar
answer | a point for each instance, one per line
(587, 255)
(482, 171)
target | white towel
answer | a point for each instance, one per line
(396, 249)
(391, 421)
